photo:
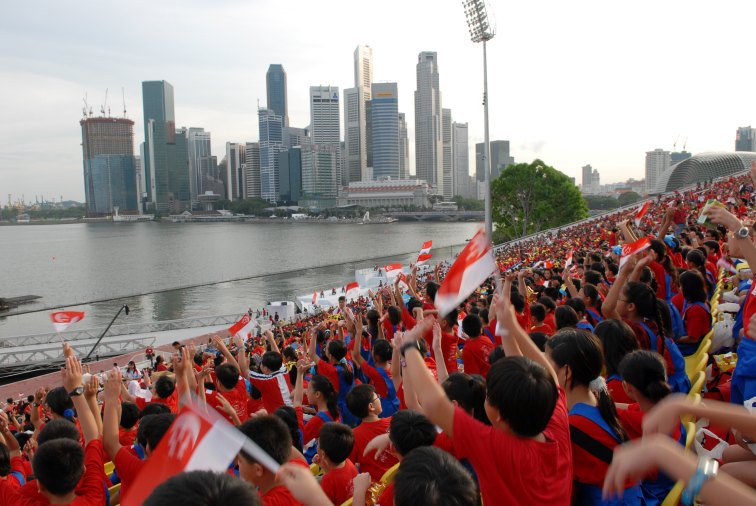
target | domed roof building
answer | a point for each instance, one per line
(703, 167)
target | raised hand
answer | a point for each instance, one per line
(113, 385)
(72, 373)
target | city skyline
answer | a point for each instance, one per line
(552, 100)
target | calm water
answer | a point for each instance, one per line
(167, 271)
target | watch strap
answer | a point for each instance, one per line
(411, 345)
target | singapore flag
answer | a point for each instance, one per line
(62, 319)
(472, 267)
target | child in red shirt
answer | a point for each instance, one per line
(364, 402)
(478, 347)
(335, 443)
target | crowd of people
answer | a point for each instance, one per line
(560, 380)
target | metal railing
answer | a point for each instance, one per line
(20, 358)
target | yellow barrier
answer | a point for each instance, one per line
(697, 384)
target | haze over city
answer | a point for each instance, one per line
(572, 83)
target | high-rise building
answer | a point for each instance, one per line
(103, 137)
(745, 139)
(251, 170)
(355, 117)
(429, 163)
(295, 137)
(271, 144)
(290, 175)
(166, 160)
(460, 160)
(235, 158)
(324, 120)
(595, 182)
(320, 178)
(500, 159)
(384, 131)
(585, 182)
(448, 160)
(113, 184)
(199, 147)
(657, 162)
(678, 156)
(403, 148)
(275, 81)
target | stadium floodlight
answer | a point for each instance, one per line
(482, 30)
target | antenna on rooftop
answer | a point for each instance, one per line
(123, 96)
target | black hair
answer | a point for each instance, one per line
(359, 399)
(165, 386)
(470, 393)
(660, 249)
(129, 415)
(59, 465)
(693, 287)
(591, 292)
(152, 428)
(430, 476)
(648, 307)
(617, 339)
(523, 393)
(412, 303)
(698, 259)
(712, 245)
(581, 352)
(451, 318)
(577, 304)
(593, 277)
(203, 488)
(289, 416)
(337, 350)
(336, 440)
(290, 354)
(472, 326)
(372, 316)
(342, 298)
(228, 375)
(394, 315)
(431, 287)
(60, 402)
(547, 302)
(484, 315)
(272, 360)
(58, 429)
(496, 354)
(382, 350)
(538, 311)
(5, 460)
(323, 385)
(270, 434)
(539, 338)
(155, 408)
(645, 370)
(409, 430)
(565, 316)
(518, 301)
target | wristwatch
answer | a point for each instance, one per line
(742, 233)
(707, 468)
(411, 345)
(76, 391)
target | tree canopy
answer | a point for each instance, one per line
(530, 197)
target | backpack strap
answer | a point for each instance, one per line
(491, 337)
(19, 476)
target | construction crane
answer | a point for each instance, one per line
(674, 144)
(123, 96)
(86, 106)
(685, 144)
(102, 107)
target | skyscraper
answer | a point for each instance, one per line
(320, 175)
(384, 130)
(355, 120)
(461, 160)
(403, 148)
(595, 182)
(290, 175)
(657, 162)
(251, 170)
(113, 184)
(102, 137)
(324, 121)
(500, 159)
(165, 164)
(448, 189)
(275, 81)
(235, 158)
(429, 163)
(271, 144)
(199, 147)
(745, 139)
(586, 180)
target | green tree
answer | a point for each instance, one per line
(530, 197)
(628, 198)
(469, 204)
(601, 202)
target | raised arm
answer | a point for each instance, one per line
(438, 353)
(221, 346)
(241, 357)
(271, 341)
(10, 441)
(357, 348)
(112, 416)
(90, 394)
(298, 394)
(609, 307)
(72, 379)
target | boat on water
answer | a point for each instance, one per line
(131, 217)
(377, 221)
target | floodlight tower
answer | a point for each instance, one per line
(482, 30)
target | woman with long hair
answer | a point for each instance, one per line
(321, 395)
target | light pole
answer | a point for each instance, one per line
(122, 308)
(481, 30)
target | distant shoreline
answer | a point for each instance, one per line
(168, 220)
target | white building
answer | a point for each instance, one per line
(324, 115)
(387, 193)
(448, 163)
(403, 147)
(251, 169)
(658, 162)
(460, 160)
(235, 157)
(429, 163)
(320, 177)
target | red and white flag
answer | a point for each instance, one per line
(244, 326)
(196, 440)
(642, 210)
(427, 245)
(314, 297)
(632, 248)
(392, 269)
(568, 262)
(62, 319)
(352, 286)
(472, 267)
(402, 281)
(424, 257)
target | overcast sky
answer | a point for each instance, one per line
(572, 83)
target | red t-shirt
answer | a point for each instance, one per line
(543, 327)
(475, 355)
(661, 279)
(275, 388)
(644, 340)
(171, 401)
(236, 397)
(516, 470)
(337, 483)
(449, 351)
(587, 468)
(524, 318)
(127, 466)
(127, 437)
(381, 388)
(617, 392)
(363, 434)
(279, 496)
(329, 371)
(697, 321)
